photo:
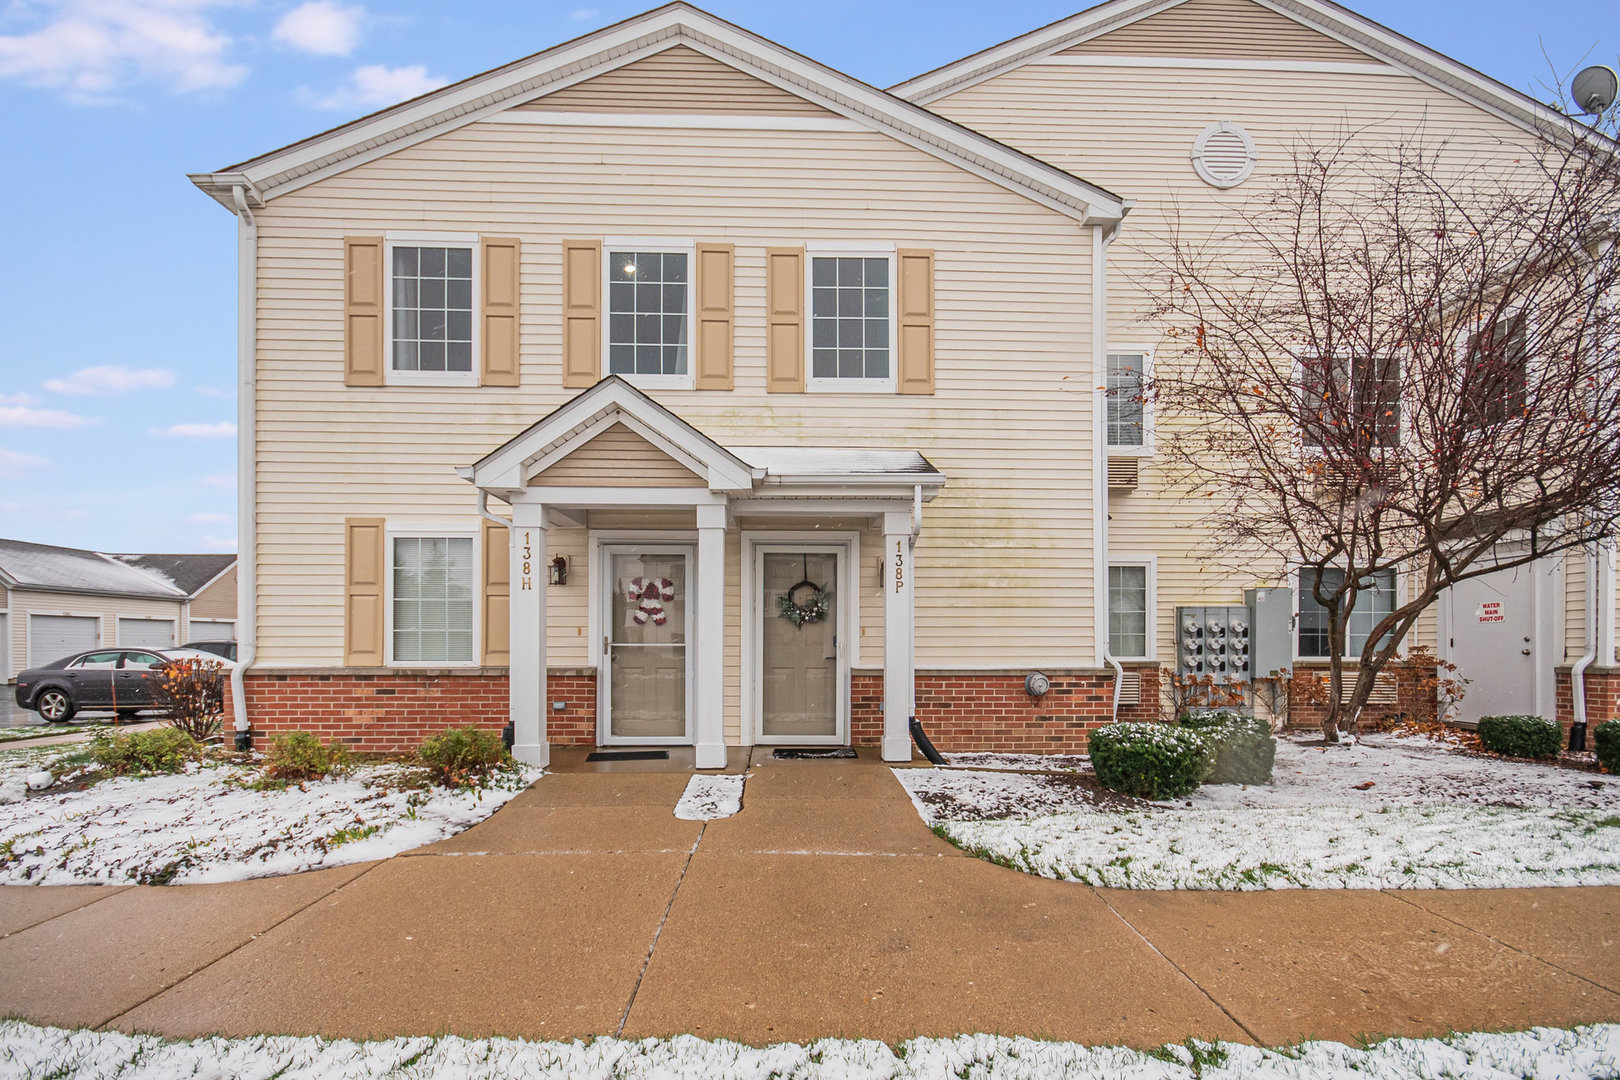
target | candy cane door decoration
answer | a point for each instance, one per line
(646, 642)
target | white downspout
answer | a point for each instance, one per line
(1600, 584)
(247, 273)
(1101, 239)
(1577, 674)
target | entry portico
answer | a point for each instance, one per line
(614, 449)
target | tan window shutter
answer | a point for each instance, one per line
(582, 313)
(499, 346)
(363, 311)
(714, 317)
(497, 595)
(915, 310)
(784, 320)
(364, 565)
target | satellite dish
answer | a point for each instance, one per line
(1594, 89)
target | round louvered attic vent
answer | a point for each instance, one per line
(1224, 155)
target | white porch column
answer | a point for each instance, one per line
(899, 647)
(528, 634)
(709, 701)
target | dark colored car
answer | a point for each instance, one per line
(118, 679)
(227, 649)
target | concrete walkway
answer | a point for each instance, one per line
(824, 908)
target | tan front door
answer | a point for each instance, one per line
(645, 697)
(800, 674)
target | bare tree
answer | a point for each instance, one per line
(1398, 359)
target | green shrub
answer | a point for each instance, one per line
(139, 753)
(1150, 761)
(1242, 749)
(463, 756)
(298, 756)
(1519, 736)
(1606, 741)
(1209, 718)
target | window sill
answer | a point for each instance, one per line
(1131, 451)
(849, 386)
(431, 378)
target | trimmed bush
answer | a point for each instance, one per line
(463, 756)
(143, 753)
(1150, 761)
(298, 756)
(1242, 749)
(1606, 741)
(1519, 736)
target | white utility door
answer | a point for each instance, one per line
(146, 634)
(644, 683)
(1492, 639)
(52, 637)
(802, 674)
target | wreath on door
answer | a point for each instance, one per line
(805, 602)
(650, 595)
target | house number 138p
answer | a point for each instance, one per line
(899, 565)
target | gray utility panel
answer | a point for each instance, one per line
(1213, 641)
(1271, 630)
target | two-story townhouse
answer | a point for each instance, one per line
(669, 388)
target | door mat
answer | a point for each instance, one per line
(831, 752)
(628, 755)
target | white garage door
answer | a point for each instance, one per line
(209, 630)
(51, 637)
(146, 633)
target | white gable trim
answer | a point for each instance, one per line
(1356, 31)
(676, 24)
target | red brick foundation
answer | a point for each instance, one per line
(1602, 698)
(1412, 702)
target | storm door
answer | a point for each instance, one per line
(646, 694)
(801, 673)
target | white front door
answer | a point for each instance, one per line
(802, 672)
(644, 684)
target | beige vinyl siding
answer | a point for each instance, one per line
(618, 458)
(1107, 125)
(677, 80)
(107, 609)
(1227, 29)
(1004, 551)
(218, 600)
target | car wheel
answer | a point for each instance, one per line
(55, 707)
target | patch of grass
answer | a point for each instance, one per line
(1610, 822)
(350, 835)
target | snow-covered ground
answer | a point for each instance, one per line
(1020, 762)
(1587, 1053)
(203, 826)
(1386, 813)
(709, 797)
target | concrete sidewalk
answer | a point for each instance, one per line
(824, 908)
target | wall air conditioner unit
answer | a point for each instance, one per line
(1124, 473)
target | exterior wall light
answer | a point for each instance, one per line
(557, 570)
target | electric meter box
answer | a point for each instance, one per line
(1214, 642)
(1271, 617)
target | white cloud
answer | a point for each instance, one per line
(111, 379)
(210, 519)
(215, 392)
(218, 480)
(13, 463)
(219, 543)
(88, 50)
(375, 86)
(581, 14)
(320, 27)
(18, 399)
(24, 416)
(222, 430)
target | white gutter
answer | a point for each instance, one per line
(484, 510)
(247, 271)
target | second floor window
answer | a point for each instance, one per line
(1126, 404)
(649, 298)
(432, 308)
(850, 328)
(1494, 374)
(1350, 401)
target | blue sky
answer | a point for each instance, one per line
(117, 396)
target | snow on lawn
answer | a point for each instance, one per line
(1020, 762)
(1586, 1053)
(45, 731)
(709, 797)
(1387, 813)
(199, 826)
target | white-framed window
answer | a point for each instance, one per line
(851, 342)
(1345, 394)
(1494, 371)
(1131, 589)
(1376, 600)
(432, 595)
(432, 308)
(648, 285)
(1130, 422)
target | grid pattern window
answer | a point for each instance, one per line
(433, 308)
(1495, 376)
(648, 301)
(1126, 411)
(1128, 612)
(849, 317)
(433, 599)
(1350, 402)
(1373, 603)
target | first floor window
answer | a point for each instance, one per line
(1375, 600)
(648, 302)
(433, 599)
(1126, 405)
(849, 317)
(432, 305)
(1128, 612)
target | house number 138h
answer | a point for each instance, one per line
(528, 562)
(899, 565)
